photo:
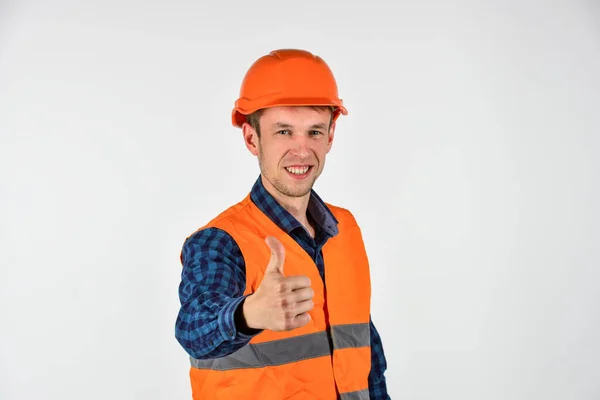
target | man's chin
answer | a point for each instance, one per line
(295, 190)
(294, 193)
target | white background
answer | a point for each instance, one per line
(469, 158)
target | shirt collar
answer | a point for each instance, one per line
(317, 208)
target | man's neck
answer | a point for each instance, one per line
(296, 206)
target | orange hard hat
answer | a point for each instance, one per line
(287, 77)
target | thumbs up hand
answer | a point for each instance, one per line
(280, 303)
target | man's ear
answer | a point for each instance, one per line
(330, 136)
(250, 138)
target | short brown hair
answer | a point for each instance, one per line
(254, 118)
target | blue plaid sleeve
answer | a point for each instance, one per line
(377, 384)
(211, 289)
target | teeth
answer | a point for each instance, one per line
(297, 171)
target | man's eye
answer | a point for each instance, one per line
(316, 132)
(284, 132)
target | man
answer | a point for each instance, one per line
(275, 290)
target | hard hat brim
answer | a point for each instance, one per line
(238, 115)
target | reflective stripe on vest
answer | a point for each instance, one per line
(358, 395)
(284, 351)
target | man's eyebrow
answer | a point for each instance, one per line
(284, 125)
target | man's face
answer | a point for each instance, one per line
(292, 147)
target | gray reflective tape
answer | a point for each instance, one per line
(351, 335)
(272, 353)
(285, 351)
(358, 395)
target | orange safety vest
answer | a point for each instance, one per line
(327, 359)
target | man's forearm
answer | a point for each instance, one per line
(205, 334)
(211, 291)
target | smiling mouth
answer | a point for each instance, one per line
(298, 171)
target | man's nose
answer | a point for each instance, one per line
(301, 146)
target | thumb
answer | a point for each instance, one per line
(277, 255)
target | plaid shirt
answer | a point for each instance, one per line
(213, 282)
